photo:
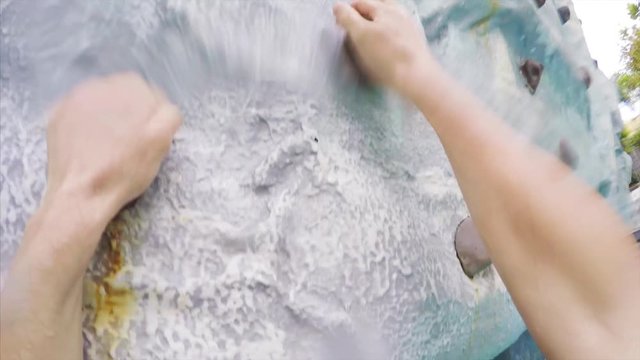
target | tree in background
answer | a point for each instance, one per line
(629, 86)
(629, 79)
(631, 144)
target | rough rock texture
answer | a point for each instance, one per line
(300, 215)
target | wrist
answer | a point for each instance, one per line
(62, 235)
(59, 241)
(423, 81)
(82, 206)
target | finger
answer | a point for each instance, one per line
(164, 124)
(347, 17)
(159, 95)
(369, 9)
(132, 80)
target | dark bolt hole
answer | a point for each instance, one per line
(532, 72)
(540, 3)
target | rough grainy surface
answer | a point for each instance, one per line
(300, 215)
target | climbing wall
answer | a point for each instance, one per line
(300, 213)
(538, 45)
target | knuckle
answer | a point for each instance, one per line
(130, 76)
(358, 34)
(378, 31)
(130, 79)
(178, 120)
(174, 117)
(157, 132)
(156, 140)
(163, 126)
(159, 94)
(57, 114)
(52, 124)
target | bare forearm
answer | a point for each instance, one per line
(564, 255)
(562, 252)
(94, 168)
(41, 304)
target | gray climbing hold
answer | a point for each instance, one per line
(470, 248)
(604, 188)
(586, 77)
(565, 14)
(616, 119)
(540, 3)
(532, 72)
(567, 155)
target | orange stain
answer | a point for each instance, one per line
(109, 304)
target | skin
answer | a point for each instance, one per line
(566, 258)
(105, 141)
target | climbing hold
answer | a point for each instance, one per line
(472, 253)
(540, 3)
(532, 72)
(586, 77)
(604, 188)
(616, 119)
(567, 155)
(565, 14)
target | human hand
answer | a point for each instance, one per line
(388, 45)
(106, 141)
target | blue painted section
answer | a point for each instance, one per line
(523, 349)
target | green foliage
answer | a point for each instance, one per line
(635, 180)
(624, 133)
(628, 85)
(634, 10)
(629, 79)
(634, 141)
(630, 141)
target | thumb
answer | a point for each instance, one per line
(347, 17)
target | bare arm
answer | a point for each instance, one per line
(105, 143)
(567, 259)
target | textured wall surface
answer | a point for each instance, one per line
(300, 214)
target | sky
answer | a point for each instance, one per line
(602, 21)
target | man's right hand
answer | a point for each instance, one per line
(387, 43)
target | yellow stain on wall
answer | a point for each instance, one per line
(109, 304)
(494, 7)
